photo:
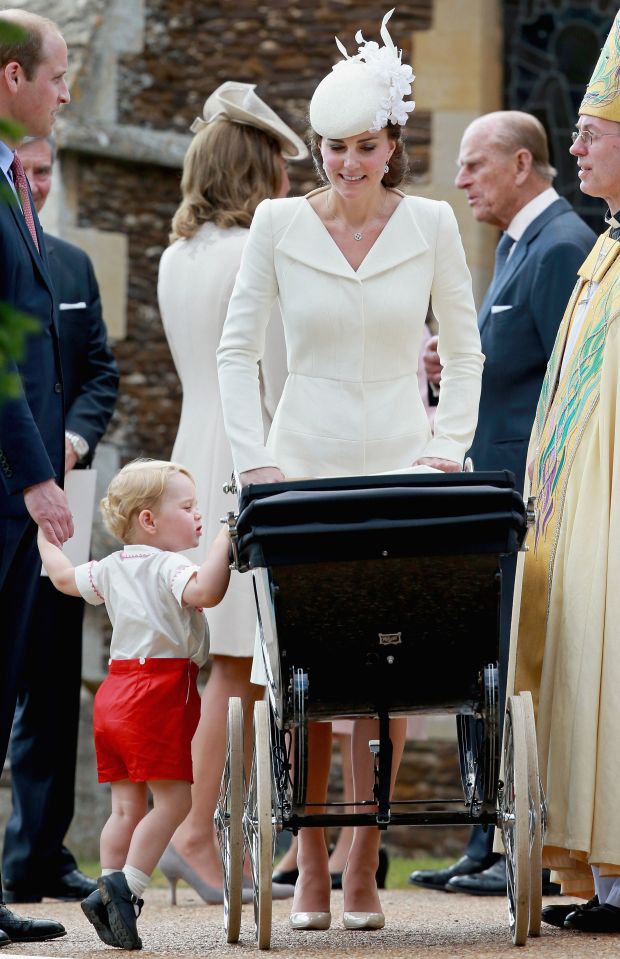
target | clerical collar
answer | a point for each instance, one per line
(613, 220)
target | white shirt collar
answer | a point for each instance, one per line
(528, 213)
(6, 158)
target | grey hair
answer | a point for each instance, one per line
(516, 130)
(50, 140)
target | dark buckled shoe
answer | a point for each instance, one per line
(25, 929)
(597, 919)
(489, 882)
(555, 915)
(97, 914)
(4, 939)
(119, 902)
(439, 878)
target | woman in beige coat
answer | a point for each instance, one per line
(353, 266)
(236, 159)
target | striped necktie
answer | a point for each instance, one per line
(21, 185)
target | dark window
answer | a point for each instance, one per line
(551, 47)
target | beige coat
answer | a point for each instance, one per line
(196, 278)
(351, 403)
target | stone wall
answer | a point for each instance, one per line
(138, 201)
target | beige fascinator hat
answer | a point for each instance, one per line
(363, 92)
(239, 103)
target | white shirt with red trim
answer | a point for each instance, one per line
(142, 588)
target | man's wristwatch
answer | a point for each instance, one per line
(79, 444)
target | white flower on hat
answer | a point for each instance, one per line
(387, 67)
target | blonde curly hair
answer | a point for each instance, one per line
(138, 486)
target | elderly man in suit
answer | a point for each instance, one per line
(44, 739)
(33, 64)
(504, 169)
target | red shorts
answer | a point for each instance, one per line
(145, 716)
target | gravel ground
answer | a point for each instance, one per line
(419, 924)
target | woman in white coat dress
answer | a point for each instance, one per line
(353, 266)
(236, 159)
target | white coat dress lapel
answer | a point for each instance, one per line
(306, 240)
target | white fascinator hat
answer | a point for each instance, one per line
(239, 103)
(363, 92)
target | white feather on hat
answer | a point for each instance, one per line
(363, 92)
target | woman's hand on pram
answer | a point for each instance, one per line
(446, 466)
(264, 474)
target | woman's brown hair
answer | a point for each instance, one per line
(398, 162)
(228, 169)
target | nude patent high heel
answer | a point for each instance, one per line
(310, 920)
(174, 867)
(362, 920)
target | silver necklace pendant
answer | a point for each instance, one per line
(358, 236)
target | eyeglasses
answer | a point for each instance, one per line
(587, 136)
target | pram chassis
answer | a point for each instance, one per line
(276, 792)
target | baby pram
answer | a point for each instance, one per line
(379, 596)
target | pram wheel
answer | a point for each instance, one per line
(478, 739)
(299, 681)
(258, 825)
(229, 821)
(514, 820)
(535, 816)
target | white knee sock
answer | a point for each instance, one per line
(136, 880)
(602, 884)
(108, 872)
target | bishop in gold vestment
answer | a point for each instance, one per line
(566, 633)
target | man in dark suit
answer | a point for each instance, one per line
(504, 169)
(33, 65)
(44, 739)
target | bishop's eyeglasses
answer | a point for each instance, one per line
(588, 136)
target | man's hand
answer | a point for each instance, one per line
(47, 504)
(70, 456)
(432, 364)
(446, 466)
(264, 474)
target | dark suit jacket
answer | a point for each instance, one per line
(32, 424)
(517, 341)
(90, 374)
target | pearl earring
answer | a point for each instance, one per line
(386, 168)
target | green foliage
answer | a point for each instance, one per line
(10, 32)
(15, 327)
(11, 131)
